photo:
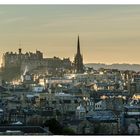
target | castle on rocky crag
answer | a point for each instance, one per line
(30, 61)
(33, 61)
(11, 59)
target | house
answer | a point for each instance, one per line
(100, 86)
(99, 105)
(104, 122)
(80, 127)
(110, 104)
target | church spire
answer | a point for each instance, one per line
(78, 60)
(78, 46)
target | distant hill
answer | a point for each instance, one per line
(96, 66)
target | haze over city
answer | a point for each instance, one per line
(69, 70)
(108, 33)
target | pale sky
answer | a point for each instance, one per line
(108, 34)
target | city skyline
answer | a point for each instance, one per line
(108, 33)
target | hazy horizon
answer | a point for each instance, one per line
(108, 33)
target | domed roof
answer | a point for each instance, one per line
(80, 109)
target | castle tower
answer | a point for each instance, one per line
(19, 50)
(78, 60)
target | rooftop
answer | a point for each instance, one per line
(102, 116)
(24, 129)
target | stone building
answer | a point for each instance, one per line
(11, 59)
(35, 62)
(78, 60)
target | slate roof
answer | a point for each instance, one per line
(24, 129)
(132, 107)
(102, 116)
(110, 92)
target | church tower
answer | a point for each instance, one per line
(78, 60)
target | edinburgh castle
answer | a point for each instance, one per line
(14, 64)
(18, 62)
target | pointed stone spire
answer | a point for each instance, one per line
(78, 60)
(78, 46)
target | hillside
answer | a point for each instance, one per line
(134, 67)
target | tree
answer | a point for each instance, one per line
(54, 126)
(68, 131)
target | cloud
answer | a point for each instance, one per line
(13, 20)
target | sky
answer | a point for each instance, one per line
(108, 33)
